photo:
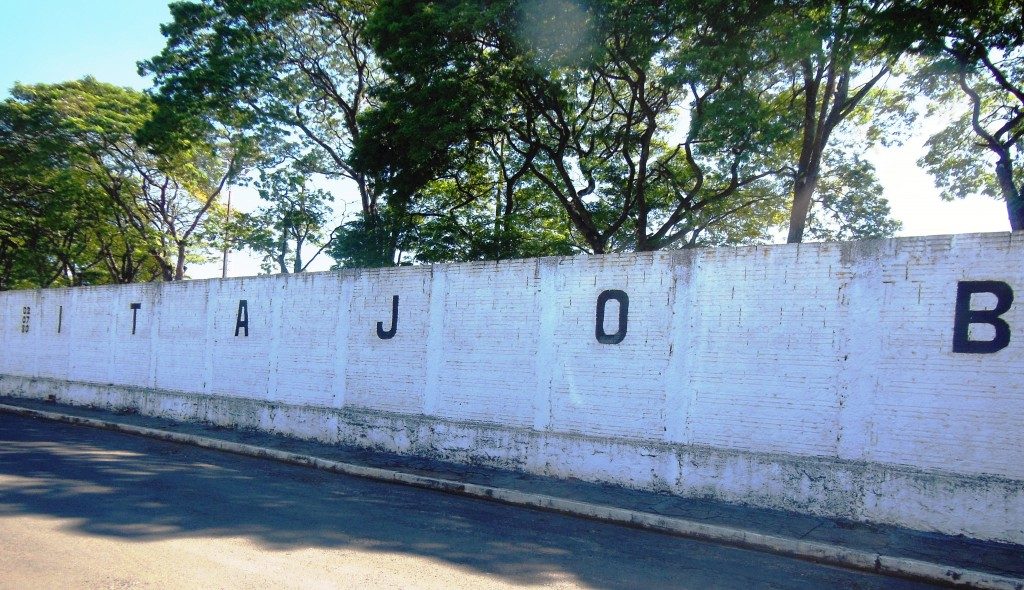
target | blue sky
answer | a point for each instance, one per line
(57, 40)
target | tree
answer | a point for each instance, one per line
(177, 191)
(848, 204)
(286, 72)
(295, 217)
(587, 102)
(56, 226)
(26, 259)
(973, 50)
(842, 59)
(457, 223)
(143, 204)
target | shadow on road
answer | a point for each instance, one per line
(142, 490)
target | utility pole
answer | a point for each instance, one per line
(227, 238)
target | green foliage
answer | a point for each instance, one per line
(294, 217)
(831, 72)
(972, 55)
(589, 117)
(959, 163)
(292, 76)
(363, 242)
(478, 127)
(495, 129)
(58, 228)
(93, 204)
(849, 204)
(454, 226)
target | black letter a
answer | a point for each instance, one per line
(965, 316)
(242, 321)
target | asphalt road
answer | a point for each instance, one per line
(86, 508)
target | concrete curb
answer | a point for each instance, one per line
(808, 550)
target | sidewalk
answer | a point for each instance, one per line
(889, 550)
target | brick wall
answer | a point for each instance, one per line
(746, 358)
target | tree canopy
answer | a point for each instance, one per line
(647, 128)
(92, 204)
(295, 75)
(973, 53)
(494, 129)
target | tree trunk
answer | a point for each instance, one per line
(282, 250)
(1014, 201)
(166, 270)
(498, 207)
(179, 268)
(803, 194)
(297, 263)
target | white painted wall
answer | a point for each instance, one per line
(736, 361)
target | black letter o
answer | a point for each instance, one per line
(602, 302)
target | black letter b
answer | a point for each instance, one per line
(965, 316)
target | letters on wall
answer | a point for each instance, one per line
(390, 332)
(135, 314)
(242, 319)
(965, 315)
(602, 303)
